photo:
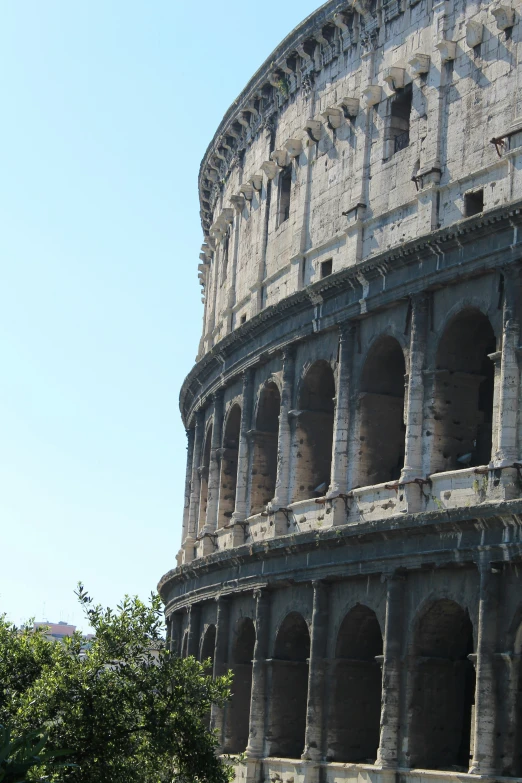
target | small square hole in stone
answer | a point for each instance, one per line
(474, 203)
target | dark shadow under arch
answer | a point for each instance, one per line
(264, 460)
(228, 475)
(355, 699)
(289, 690)
(204, 469)
(238, 709)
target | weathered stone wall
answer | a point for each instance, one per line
(352, 538)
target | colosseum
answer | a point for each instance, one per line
(352, 544)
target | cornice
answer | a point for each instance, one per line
(431, 246)
(404, 526)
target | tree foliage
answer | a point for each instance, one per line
(127, 709)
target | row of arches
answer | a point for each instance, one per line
(441, 693)
(460, 413)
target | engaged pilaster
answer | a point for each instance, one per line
(193, 630)
(258, 698)
(342, 411)
(215, 464)
(241, 512)
(483, 762)
(415, 398)
(507, 450)
(217, 715)
(188, 543)
(282, 490)
(387, 754)
(316, 672)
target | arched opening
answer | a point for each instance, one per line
(443, 689)
(264, 464)
(353, 727)
(228, 477)
(314, 432)
(289, 690)
(204, 468)
(381, 412)
(208, 644)
(463, 393)
(238, 709)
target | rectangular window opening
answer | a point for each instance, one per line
(326, 268)
(474, 203)
(400, 119)
(285, 190)
(243, 319)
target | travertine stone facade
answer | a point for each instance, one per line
(352, 534)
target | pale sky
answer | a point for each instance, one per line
(107, 109)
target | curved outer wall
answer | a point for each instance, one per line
(351, 532)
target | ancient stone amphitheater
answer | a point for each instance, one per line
(353, 512)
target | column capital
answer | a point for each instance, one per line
(420, 300)
(217, 396)
(288, 352)
(347, 330)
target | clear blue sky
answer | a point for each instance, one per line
(107, 109)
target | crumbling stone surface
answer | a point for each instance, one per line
(352, 535)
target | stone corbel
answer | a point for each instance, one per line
(350, 106)
(247, 190)
(333, 117)
(280, 157)
(371, 96)
(294, 147)
(206, 250)
(474, 34)
(251, 109)
(227, 215)
(243, 120)
(238, 202)
(301, 51)
(394, 76)
(211, 242)
(257, 181)
(504, 16)
(219, 154)
(321, 39)
(361, 6)
(447, 49)
(269, 168)
(213, 175)
(341, 22)
(419, 64)
(313, 128)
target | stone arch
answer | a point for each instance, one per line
(204, 469)
(238, 709)
(314, 432)
(443, 687)
(228, 474)
(356, 683)
(381, 413)
(463, 386)
(264, 462)
(289, 689)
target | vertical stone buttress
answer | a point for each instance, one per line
(188, 544)
(241, 511)
(387, 754)
(414, 413)
(342, 411)
(483, 762)
(188, 483)
(282, 489)
(193, 630)
(507, 448)
(258, 698)
(316, 674)
(215, 464)
(217, 715)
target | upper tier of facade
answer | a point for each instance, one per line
(374, 123)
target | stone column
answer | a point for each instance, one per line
(387, 754)
(217, 715)
(284, 442)
(506, 436)
(339, 469)
(188, 544)
(316, 670)
(241, 511)
(483, 762)
(215, 464)
(188, 482)
(415, 397)
(258, 698)
(193, 630)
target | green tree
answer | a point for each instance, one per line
(128, 710)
